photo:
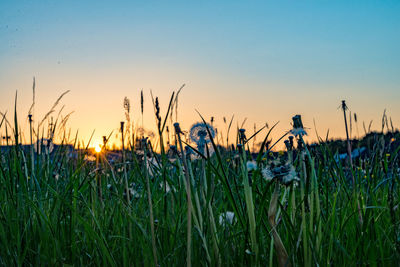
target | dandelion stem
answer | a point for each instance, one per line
(189, 201)
(153, 239)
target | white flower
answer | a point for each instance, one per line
(267, 174)
(249, 252)
(298, 128)
(298, 131)
(133, 193)
(199, 133)
(251, 165)
(290, 177)
(168, 188)
(226, 217)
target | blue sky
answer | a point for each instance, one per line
(265, 60)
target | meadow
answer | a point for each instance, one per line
(191, 198)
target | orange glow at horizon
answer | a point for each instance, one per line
(105, 116)
(105, 112)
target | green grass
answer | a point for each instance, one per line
(67, 221)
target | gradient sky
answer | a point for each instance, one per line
(261, 60)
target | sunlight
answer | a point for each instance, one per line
(97, 149)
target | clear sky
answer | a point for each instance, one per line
(261, 60)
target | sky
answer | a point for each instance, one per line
(261, 60)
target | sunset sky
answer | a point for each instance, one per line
(261, 60)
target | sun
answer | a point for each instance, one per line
(97, 149)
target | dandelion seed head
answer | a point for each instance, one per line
(199, 135)
(298, 128)
(298, 131)
(168, 188)
(251, 165)
(226, 218)
(290, 176)
(198, 132)
(133, 193)
(267, 174)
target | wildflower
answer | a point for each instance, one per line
(298, 128)
(249, 252)
(290, 176)
(226, 218)
(267, 174)
(285, 173)
(133, 193)
(168, 188)
(199, 135)
(298, 131)
(251, 166)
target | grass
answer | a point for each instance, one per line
(144, 211)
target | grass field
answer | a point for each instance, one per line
(225, 207)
